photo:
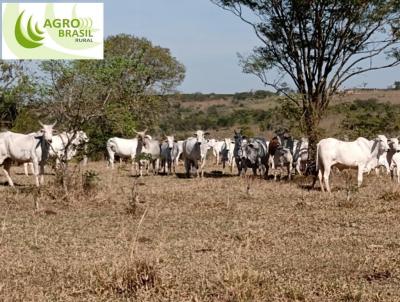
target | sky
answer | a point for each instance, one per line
(206, 39)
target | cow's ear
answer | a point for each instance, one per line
(244, 136)
(195, 134)
(206, 133)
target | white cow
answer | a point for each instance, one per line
(149, 148)
(216, 147)
(169, 153)
(395, 160)
(23, 148)
(64, 147)
(361, 154)
(386, 158)
(124, 148)
(227, 153)
(195, 150)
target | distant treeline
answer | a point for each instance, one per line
(198, 96)
(359, 118)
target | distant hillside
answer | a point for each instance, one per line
(351, 113)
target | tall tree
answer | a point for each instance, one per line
(113, 96)
(116, 95)
(16, 88)
(319, 44)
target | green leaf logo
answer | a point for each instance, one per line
(33, 36)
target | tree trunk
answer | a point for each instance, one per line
(312, 122)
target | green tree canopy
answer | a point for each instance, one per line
(116, 95)
(16, 88)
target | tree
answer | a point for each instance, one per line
(16, 89)
(397, 85)
(319, 44)
(113, 96)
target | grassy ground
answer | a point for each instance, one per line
(165, 238)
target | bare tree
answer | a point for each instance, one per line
(319, 44)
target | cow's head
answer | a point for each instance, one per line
(142, 137)
(169, 139)
(83, 138)
(47, 131)
(274, 144)
(80, 138)
(200, 136)
(394, 143)
(211, 142)
(382, 143)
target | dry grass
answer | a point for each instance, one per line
(174, 239)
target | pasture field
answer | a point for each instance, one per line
(221, 238)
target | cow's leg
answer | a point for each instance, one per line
(398, 173)
(320, 173)
(156, 166)
(140, 166)
(289, 171)
(110, 160)
(254, 168)
(359, 176)
(31, 167)
(26, 169)
(387, 168)
(41, 167)
(162, 165)
(262, 171)
(6, 170)
(239, 166)
(298, 165)
(203, 163)
(327, 172)
(169, 165)
(133, 166)
(187, 168)
(36, 172)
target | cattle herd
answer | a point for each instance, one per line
(257, 153)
